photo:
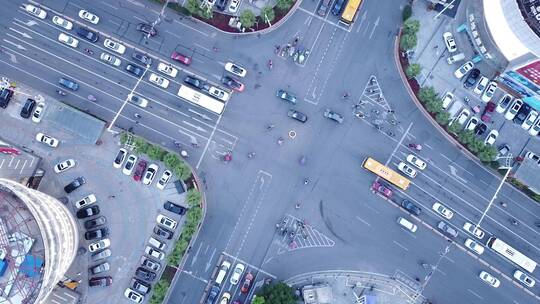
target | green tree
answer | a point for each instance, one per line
(443, 118)
(407, 12)
(160, 290)
(182, 171)
(171, 160)
(407, 42)
(267, 14)
(258, 300)
(279, 293)
(284, 4)
(434, 105)
(411, 27)
(155, 152)
(466, 137)
(427, 94)
(413, 70)
(476, 145)
(123, 138)
(247, 18)
(141, 146)
(193, 6)
(487, 154)
(454, 128)
(193, 198)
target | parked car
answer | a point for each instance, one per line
(5, 97)
(235, 69)
(150, 264)
(158, 80)
(225, 298)
(110, 59)
(382, 189)
(232, 83)
(233, 7)
(88, 34)
(147, 29)
(471, 125)
(481, 85)
(96, 234)
(447, 99)
(150, 174)
(248, 279)
(218, 93)
(411, 207)
(99, 245)
(162, 232)
(27, 108)
(64, 166)
(166, 221)
(86, 201)
(96, 222)
(35, 11)
(154, 253)
(141, 166)
(447, 229)
(489, 279)
(133, 295)
(491, 137)
(333, 116)
(405, 223)
(164, 179)
(522, 114)
(474, 246)
(462, 116)
(464, 69)
(237, 273)
(100, 281)
(416, 161)
(286, 96)
(88, 212)
(472, 78)
(46, 139)
(323, 7)
(140, 286)
(181, 58)
(68, 40)
(130, 164)
(138, 101)
(72, 85)
(503, 149)
(78, 182)
(513, 110)
(38, 112)
(299, 116)
(407, 170)
(194, 81)
(134, 69)
(174, 208)
(530, 120)
(120, 157)
(103, 254)
(167, 69)
(100, 268)
(480, 129)
(449, 42)
(142, 58)
(442, 210)
(489, 92)
(213, 294)
(145, 274)
(535, 129)
(524, 278)
(87, 16)
(503, 104)
(488, 111)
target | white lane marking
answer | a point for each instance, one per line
(375, 24)
(201, 47)
(475, 294)
(25, 35)
(20, 47)
(193, 29)
(248, 264)
(109, 5)
(399, 245)
(24, 166)
(361, 220)
(173, 34)
(139, 18)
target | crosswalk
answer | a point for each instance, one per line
(294, 234)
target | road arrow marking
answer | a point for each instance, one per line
(374, 26)
(20, 47)
(25, 35)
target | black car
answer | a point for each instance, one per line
(212, 295)
(87, 34)
(145, 275)
(142, 58)
(96, 234)
(134, 69)
(221, 4)
(100, 281)
(147, 29)
(140, 286)
(522, 114)
(88, 212)
(194, 81)
(174, 208)
(232, 83)
(162, 232)
(5, 97)
(480, 129)
(93, 223)
(338, 6)
(301, 117)
(28, 107)
(79, 181)
(412, 208)
(472, 78)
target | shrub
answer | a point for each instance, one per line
(193, 198)
(408, 42)
(407, 12)
(160, 290)
(443, 118)
(155, 152)
(267, 14)
(411, 27)
(454, 128)
(141, 146)
(247, 18)
(284, 4)
(413, 70)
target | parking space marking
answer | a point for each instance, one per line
(248, 264)
(475, 294)
(361, 220)
(399, 245)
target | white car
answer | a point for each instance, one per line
(119, 159)
(130, 164)
(449, 42)
(110, 59)
(165, 177)
(474, 246)
(473, 122)
(86, 15)
(514, 108)
(403, 167)
(225, 298)
(479, 234)
(62, 22)
(85, 201)
(48, 140)
(447, 99)
(166, 221)
(219, 93)
(158, 80)
(167, 69)
(407, 224)
(535, 129)
(99, 245)
(503, 103)
(138, 101)
(68, 40)
(237, 273)
(489, 279)
(114, 46)
(488, 93)
(491, 137)
(462, 117)
(416, 161)
(464, 69)
(133, 295)
(154, 253)
(530, 120)
(36, 11)
(235, 69)
(442, 210)
(38, 112)
(65, 165)
(524, 278)
(150, 174)
(233, 7)
(481, 85)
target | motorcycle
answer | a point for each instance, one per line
(417, 147)
(280, 141)
(92, 98)
(89, 51)
(251, 155)
(269, 64)
(61, 93)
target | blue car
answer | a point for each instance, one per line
(72, 85)
(338, 6)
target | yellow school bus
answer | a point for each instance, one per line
(384, 172)
(350, 11)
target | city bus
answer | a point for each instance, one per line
(350, 12)
(200, 99)
(512, 254)
(388, 174)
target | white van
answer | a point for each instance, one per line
(456, 58)
(406, 224)
(222, 272)
(157, 243)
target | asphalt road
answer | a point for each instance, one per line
(351, 227)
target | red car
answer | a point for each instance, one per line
(182, 58)
(9, 150)
(247, 283)
(141, 166)
(490, 107)
(382, 189)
